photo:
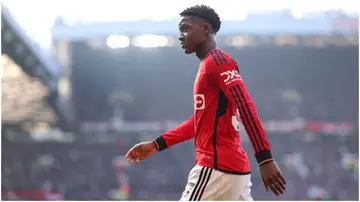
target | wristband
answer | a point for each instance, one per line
(262, 156)
(160, 143)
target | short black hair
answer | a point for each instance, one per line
(206, 13)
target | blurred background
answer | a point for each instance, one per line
(84, 81)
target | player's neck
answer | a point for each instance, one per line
(208, 46)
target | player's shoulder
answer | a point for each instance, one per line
(219, 58)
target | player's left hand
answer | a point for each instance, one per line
(272, 177)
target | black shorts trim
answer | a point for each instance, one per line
(200, 186)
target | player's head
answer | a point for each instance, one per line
(197, 24)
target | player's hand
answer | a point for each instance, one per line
(141, 151)
(272, 177)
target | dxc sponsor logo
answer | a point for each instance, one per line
(231, 76)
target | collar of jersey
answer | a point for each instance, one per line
(209, 53)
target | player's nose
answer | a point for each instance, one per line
(181, 37)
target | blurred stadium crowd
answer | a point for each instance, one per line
(305, 88)
(317, 167)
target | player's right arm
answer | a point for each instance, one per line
(144, 150)
(185, 131)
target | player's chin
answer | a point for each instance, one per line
(188, 50)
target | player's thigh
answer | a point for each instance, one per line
(238, 189)
(197, 187)
(207, 184)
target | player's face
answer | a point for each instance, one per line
(191, 36)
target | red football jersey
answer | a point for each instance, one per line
(220, 102)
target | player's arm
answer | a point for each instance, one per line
(145, 150)
(224, 74)
(181, 133)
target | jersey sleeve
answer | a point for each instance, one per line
(181, 133)
(223, 73)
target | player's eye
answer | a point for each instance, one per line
(183, 29)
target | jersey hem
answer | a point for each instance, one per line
(226, 171)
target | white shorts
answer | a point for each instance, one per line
(207, 184)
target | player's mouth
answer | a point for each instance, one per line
(182, 45)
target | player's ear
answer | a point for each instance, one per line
(207, 28)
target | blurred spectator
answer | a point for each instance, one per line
(320, 167)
